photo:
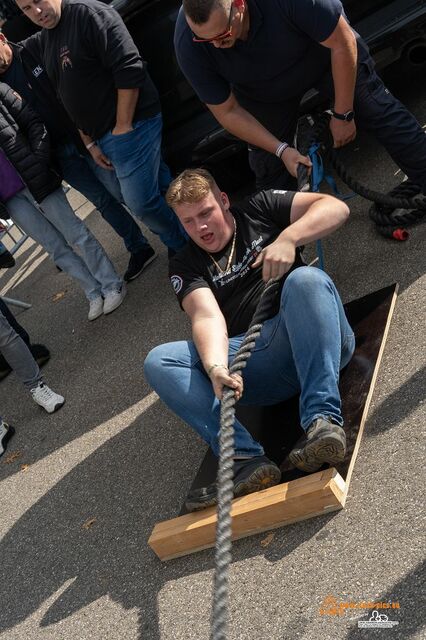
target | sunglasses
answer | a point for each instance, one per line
(239, 4)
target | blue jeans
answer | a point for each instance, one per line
(54, 225)
(101, 187)
(143, 178)
(300, 350)
(17, 355)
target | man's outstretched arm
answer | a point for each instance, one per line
(210, 336)
(231, 115)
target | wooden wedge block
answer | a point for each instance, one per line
(283, 504)
(299, 496)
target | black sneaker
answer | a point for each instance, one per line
(6, 260)
(138, 262)
(6, 432)
(323, 443)
(251, 475)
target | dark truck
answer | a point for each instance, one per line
(394, 30)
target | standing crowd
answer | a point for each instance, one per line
(77, 102)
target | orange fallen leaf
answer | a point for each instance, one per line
(58, 296)
(267, 541)
(89, 523)
(12, 457)
(24, 467)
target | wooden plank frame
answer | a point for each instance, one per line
(299, 496)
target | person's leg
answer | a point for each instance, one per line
(80, 173)
(164, 177)
(136, 157)
(4, 309)
(380, 113)
(23, 211)
(175, 372)
(18, 355)
(39, 352)
(58, 212)
(293, 356)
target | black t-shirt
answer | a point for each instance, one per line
(88, 56)
(281, 59)
(259, 221)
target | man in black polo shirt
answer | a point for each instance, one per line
(251, 62)
(218, 279)
(103, 84)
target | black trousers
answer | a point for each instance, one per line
(377, 111)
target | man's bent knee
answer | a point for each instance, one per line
(153, 365)
(306, 277)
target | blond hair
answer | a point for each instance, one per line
(192, 185)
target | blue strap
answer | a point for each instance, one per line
(318, 174)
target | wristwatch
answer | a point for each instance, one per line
(348, 116)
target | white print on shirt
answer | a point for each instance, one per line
(279, 191)
(177, 283)
(241, 268)
(37, 71)
(65, 58)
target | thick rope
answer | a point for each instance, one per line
(405, 196)
(225, 475)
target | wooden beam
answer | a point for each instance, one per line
(283, 504)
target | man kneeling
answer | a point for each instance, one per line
(218, 279)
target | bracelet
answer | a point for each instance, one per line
(213, 366)
(90, 145)
(280, 149)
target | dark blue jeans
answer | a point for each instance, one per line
(103, 191)
(376, 111)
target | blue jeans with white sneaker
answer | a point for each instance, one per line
(300, 350)
(144, 177)
(54, 225)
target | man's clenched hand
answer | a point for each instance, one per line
(343, 132)
(221, 378)
(276, 259)
(292, 158)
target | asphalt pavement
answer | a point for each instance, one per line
(81, 490)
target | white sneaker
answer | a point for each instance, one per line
(46, 398)
(96, 308)
(113, 299)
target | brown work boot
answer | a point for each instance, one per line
(323, 443)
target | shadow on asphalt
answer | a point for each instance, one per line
(127, 492)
